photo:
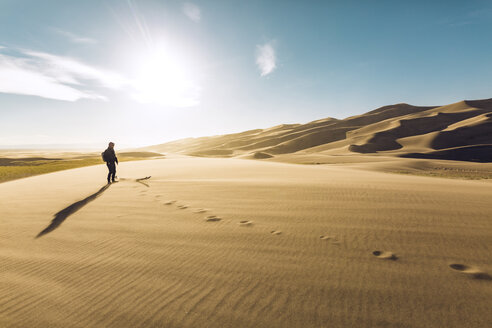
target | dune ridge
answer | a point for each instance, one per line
(459, 131)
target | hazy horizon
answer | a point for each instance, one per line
(95, 146)
(147, 72)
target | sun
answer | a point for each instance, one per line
(166, 80)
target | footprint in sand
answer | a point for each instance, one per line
(182, 207)
(170, 202)
(212, 218)
(276, 232)
(333, 239)
(470, 271)
(245, 223)
(200, 210)
(385, 255)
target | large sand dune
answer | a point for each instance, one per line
(235, 243)
(460, 131)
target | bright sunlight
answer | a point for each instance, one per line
(165, 80)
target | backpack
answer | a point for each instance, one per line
(103, 156)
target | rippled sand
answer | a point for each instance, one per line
(241, 243)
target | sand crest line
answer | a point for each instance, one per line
(71, 209)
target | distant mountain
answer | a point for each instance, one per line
(459, 131)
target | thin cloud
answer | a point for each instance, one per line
(266, 59)
(54, 77)
(74, 38)
(68, 70)
(192, 11)
(45, 75)
(17, 76)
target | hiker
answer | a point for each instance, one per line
(110, 158)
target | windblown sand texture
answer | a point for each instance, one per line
(295, 246)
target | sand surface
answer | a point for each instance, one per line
(242, 243)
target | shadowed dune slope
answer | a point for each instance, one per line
(459, 131)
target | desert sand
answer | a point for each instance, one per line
(219, 242)
(459, 131)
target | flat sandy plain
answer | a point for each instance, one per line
(241, 243)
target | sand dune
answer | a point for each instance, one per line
(226, 242)
(295, 246)
(460, 131)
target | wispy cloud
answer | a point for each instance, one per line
(192, 11)
(34, 73)
(54, 77)
(69, 70)
(74, 38)
(266, 58)
(18, 77)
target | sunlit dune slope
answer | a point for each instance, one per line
(213, 242)
(459, 131)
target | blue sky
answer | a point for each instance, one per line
(145, 72)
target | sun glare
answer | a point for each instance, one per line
(166, 80)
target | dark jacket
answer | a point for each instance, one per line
(110, 156)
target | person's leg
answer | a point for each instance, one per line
(113, 171)
(109, 173)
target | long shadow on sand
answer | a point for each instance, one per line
(66, 212)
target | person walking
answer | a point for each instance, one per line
(111, 160)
